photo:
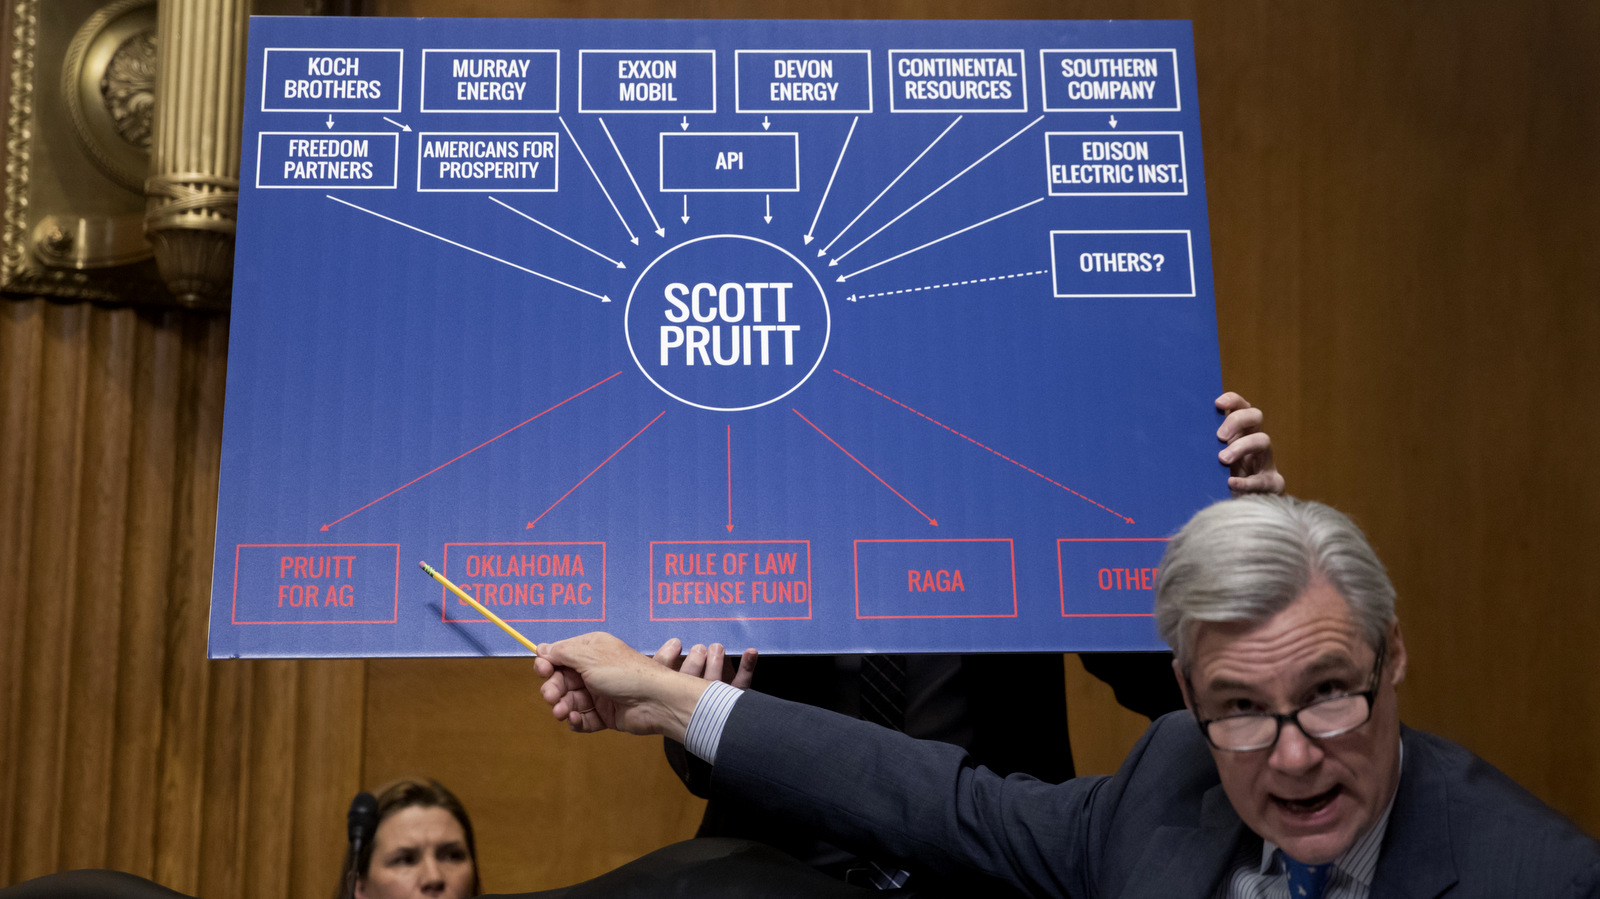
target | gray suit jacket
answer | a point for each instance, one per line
(1160, 827)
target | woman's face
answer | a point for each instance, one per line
(418, 851)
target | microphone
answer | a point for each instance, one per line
(363, 823)
(363, 819)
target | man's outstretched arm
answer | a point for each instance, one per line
(860, 785)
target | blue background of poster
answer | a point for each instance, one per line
(433, 369)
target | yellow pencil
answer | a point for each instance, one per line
(481, 610)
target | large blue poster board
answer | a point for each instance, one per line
(809, 336)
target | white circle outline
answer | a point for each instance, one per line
(826, 310)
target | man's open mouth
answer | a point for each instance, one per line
(1309, 804)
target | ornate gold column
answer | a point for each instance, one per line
(193, 188)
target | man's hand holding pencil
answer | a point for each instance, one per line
(597, 682)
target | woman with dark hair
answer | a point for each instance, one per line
(423, 847)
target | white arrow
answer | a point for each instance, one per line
(768, 216)
(1113, 121)
(392, 122)
(632, 238)
(889, 293)
(937, 189)
(530, 218)
(685, 124)
(766, 123)
(660, 231)
(944, 238)
(686, 209)
(824, 250)
(330, 120)
(603, 299)
(836, 164)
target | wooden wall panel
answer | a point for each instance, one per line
(328, 755)
(185, 676)
(222, 843)
(121, 745)
(141, 655)
(21, 346)
(47, 594)
(270, 793)
(97, 562)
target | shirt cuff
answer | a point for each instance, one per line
(710, 715)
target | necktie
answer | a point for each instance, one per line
(883, 690)
(883, 701)
(1306, 881)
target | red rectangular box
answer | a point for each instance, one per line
(531, 581)
(1108, 577)
(308, 586)
(954, 577)
(730, 585)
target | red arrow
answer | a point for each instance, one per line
(469, 452)
(908, 502)
(596, 468)
(730, 479)
(982, 446)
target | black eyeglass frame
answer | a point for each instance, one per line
(1370, 695)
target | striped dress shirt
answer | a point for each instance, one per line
(1265, 878)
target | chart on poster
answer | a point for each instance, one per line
(809, 336)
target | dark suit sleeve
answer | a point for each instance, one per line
(884, 794)
(1458, 823)
(695, 774)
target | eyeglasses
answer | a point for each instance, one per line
(1320, 720)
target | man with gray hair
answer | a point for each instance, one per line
(1289, 775)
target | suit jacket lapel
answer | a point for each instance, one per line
(1416, 859)
(1189, 862)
